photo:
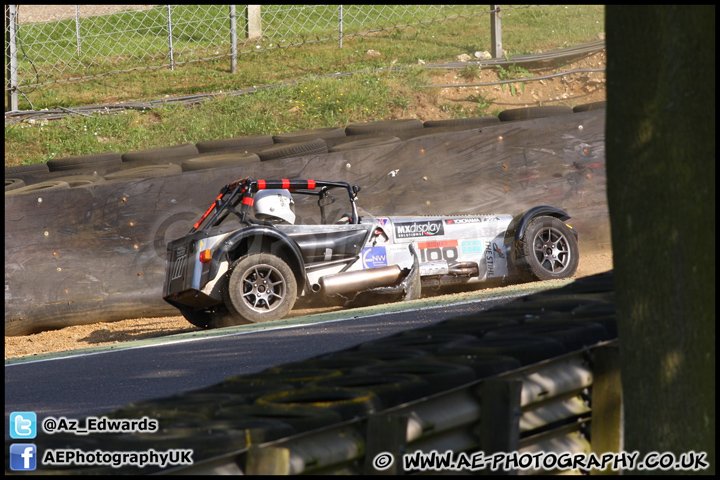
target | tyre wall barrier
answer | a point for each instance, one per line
(97, 253)
(566, 403)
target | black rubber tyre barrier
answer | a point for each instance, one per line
(556, 304)
(383, 354)
(243, 390)
(483, 365)
(601, 105)
(439, 375)
(349, 403)
(378, 141)
(529, 113)
(32, 168)
(289, 150)
(301, 417)
(146, 171)
(392, 389)
(42, 187)
(476, 327)
(309, 134)
(166, 417)
(338, 362)
(607, 321)
(421, 341)
(383, 126)
(13, 183)
(574, 335)
(297, 378)
(234, 143)
(161, 153)
(592, 310)
(526, 349)
(204, 162)
(453, 122)
(84, 161)
(81, 180)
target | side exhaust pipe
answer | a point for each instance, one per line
(349, 282)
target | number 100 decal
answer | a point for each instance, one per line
(440, 250)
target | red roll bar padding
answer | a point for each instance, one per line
(286, 184)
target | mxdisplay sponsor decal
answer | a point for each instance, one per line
(459, 221)
(374, 257)
(419, 229)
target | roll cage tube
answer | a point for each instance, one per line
(243, 192)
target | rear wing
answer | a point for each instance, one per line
(243, 192)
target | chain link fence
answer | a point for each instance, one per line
(54, 43)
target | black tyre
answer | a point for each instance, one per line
(529, 113)
(21, 169)
(146, 171)
(421, 341)
(301, 417)
(42, 187)
(349, 403)
(574, 335)
(378, 141)
(439, 375)
(453, 122)
(162, 154)
(260, 288)
(290, 150)
(294, 377)
(548, 250)
(13, 184)
(393, 389)
(383, 126)
(484, 365)
(526, 349)
(81, 180)
(472, 325)
(204, 162)
(236, 143)
(309, 134)
(590, 106)
(216, 317)
(84, 161)
(382, 353)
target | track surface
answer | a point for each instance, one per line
(89, 384)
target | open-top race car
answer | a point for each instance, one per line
(263, 244)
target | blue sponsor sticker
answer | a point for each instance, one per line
(474, 246)
(374, 257)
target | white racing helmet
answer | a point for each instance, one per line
(275, 206)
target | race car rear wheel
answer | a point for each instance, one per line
(548, 250)
(260, 288)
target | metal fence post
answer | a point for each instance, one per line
(340, 22)
(11, 52)
(253, 24)
(495, 32)
(170, 41)
(77, 28)
(233, 39)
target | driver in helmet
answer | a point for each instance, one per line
(276, 206)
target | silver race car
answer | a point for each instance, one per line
(264, 244)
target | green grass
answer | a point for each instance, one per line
(314, 102)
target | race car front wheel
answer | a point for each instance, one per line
(548, 250)
(260, 288)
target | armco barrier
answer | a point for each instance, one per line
(563, 404)
(97, 253)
